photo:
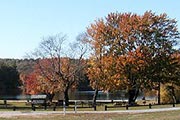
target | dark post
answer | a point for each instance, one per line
(5, 103)
(105, 108)
(173, 104)
(14, 108)
(54, 108)
(94, 107)
(82, 103)
(45, 106)
(127, 107)
(33, 108)
(150, 106)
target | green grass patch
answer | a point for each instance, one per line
(22, 106)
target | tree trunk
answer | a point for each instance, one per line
(133, 94)
(159, 93)
(50, 96)
(174, 99)
(66, 97)
(173, 95)
(95, 97)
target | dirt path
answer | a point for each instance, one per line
(9, 114)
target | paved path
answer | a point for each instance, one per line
(7, 114)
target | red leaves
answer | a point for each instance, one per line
(52, 75)
(31, 83)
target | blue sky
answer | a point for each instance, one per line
(23, 23)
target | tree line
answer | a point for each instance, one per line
(122, 51)
(9, 79)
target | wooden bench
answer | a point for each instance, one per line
(40, 100)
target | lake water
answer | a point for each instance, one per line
(88, 95)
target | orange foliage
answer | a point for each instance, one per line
(124, 46)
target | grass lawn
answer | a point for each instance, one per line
(170, 115)
(21, 106)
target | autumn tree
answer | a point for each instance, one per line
(45, 82)
(59, 68)
(25, 67)
(140, 47)
(31, 83)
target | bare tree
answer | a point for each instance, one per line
(60, 65)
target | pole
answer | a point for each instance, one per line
(75, 107)
(64, 107)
